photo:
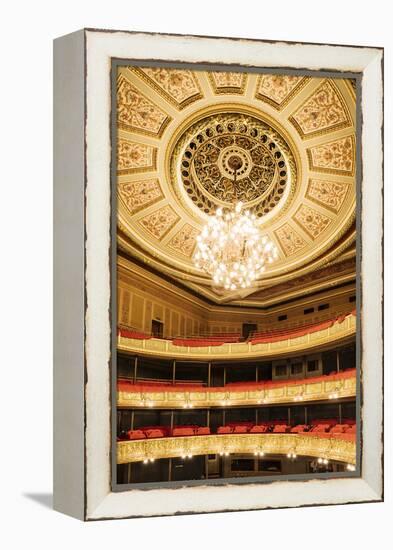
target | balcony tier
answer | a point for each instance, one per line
(338, 333)
(338, 386)
(336, 448)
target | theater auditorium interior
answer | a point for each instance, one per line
(236, 275)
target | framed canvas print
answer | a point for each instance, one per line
(218, 274)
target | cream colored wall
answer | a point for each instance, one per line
(143, 297)
(140, 302)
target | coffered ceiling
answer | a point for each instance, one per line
(294, 137)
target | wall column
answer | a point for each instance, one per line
(209, 374)
(135, 368)
(170, 470)
(174, 371)
(338, 361)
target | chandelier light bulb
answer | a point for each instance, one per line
(232, 250)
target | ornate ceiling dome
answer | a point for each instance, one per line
(208, 153)
(291, 140)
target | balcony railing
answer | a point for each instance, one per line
(342, 450)
(330, 387)
(339, 332)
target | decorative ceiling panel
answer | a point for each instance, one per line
(277, 90)
(227, 82)
(184, 241)
(323, 110)
(133, 157)
(334, 157)
(140, 194)
(293, 141)
(289, 240)
(177, 86)
(137, 113)
(311, 221)
(159, 222)
(330, 194)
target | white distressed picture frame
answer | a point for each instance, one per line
(83, 251)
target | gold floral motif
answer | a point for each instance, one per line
(335, 156)
(289, 240)
(184, 241)
(277, 90)
(158, 223)
(311, 221)
(224, 82)
(331, 194)
(323, 110)
(135, 157)
(179, 87)
(139, 194)
(137, 113)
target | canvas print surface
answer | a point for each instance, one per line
(237, 346)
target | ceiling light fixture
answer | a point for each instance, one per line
(231, 247)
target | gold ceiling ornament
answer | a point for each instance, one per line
(202, 160)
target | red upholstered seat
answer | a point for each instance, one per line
(300, 428)
(183, 432)
(351, 429)
(339, 428)
(136, 434)
(259, 429)
(150, 434)
(320, 428)
(203, 430)
(225, 430)
(241, 429)
(280, 429)
(126, 333)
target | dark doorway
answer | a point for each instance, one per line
(157, 329)
(248, 329)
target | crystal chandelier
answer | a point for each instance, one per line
(231, 247)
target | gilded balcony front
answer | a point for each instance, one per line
(331, 448)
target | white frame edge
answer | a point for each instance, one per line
(101, 503)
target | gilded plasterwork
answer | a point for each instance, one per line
(302, 445)
(224, 82)
(133, 157)
(330, 194)
(324, 110)
(179, 87)
(277, 90)
(136, 113)
(140, 194)
(185, 128)
(290, 241)
(335, 156)
(184, 241)
(265, 163)
(159, 222)
(311, 221)
(306, 392)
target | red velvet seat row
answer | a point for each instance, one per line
(346, 430)
(129, 385)
(260, 337)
